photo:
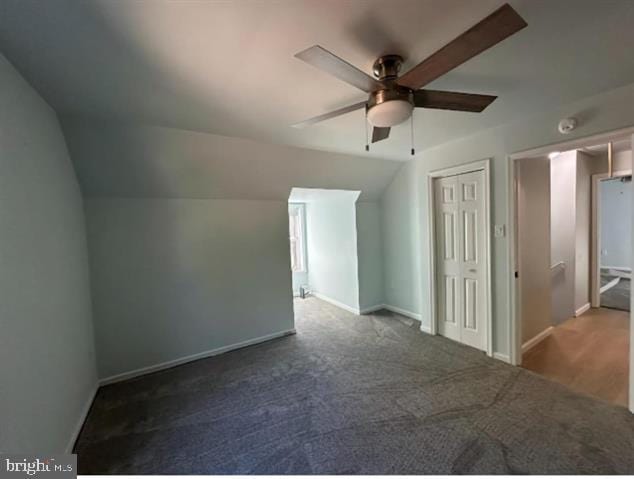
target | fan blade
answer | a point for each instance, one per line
(332, 114)
(501, 24)
(380, 133)
(324, 60)
(450, 100)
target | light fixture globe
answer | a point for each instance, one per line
(388, 108)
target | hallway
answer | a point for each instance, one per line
(589, 354)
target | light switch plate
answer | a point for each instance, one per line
(498, 231)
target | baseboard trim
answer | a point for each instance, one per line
(194, 357)
(610, 285)
(82, 419)
(334, 302)
(582, 310)
(535, 340)
(425, 329)
(502, 357)
(372, 309)
(404, 312)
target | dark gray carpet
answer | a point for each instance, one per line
(352, 395)
(617, 297)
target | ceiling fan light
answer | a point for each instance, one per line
(390, 113)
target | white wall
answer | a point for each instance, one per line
(402, 242)
(563, 180)
(47, 358)
(174, 278)
(405, 207)
(533, 239)
(331, 238)
(616, 230)
(370, 257)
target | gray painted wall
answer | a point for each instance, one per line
(563, 180)
(533, 241)
(405, 208)
(47, 358)
(331, 231)
(174, 278)
(616, 221)
(586, 167)
(370, 254)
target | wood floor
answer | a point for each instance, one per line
(590, 354)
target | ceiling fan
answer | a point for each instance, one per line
(392, 98)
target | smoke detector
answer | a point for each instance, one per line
(567, 125)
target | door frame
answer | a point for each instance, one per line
(515, 326)
(595, 239)
(481, 165)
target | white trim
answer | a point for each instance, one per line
(334, 302)
(372, 309)
(582, 310)
(404, 312)
(480, 165)
(595, 240)
(502, 357)
(186, 359)
(425, 329)
(624, 269)
(538, 338)
(460, 169)
(513, 290)
(610, 285)
(575, 144)
(82, 419)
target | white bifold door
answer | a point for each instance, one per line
(460, 226)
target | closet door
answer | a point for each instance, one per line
(447, 256)
(461, 258)
(472, 243)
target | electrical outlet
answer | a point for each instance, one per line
(498, 231)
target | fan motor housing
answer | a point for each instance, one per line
(397, 92)
(387, 67)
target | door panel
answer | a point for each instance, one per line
(447, 274)
(461, 228)
(470, 304)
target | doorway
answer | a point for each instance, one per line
(460, 252)
(323, 246)
(564, 332)
(612, 239)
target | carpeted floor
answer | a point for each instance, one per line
(349, 395)
(617, 297)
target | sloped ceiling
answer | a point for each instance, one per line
(116, 159)
(227, 67)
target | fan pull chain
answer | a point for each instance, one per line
(411, 123)
(367, 138)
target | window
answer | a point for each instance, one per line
(296, 235)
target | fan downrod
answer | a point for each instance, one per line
(387, 67)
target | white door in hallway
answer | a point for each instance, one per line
(461, 262)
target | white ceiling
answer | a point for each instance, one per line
(227, 67)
